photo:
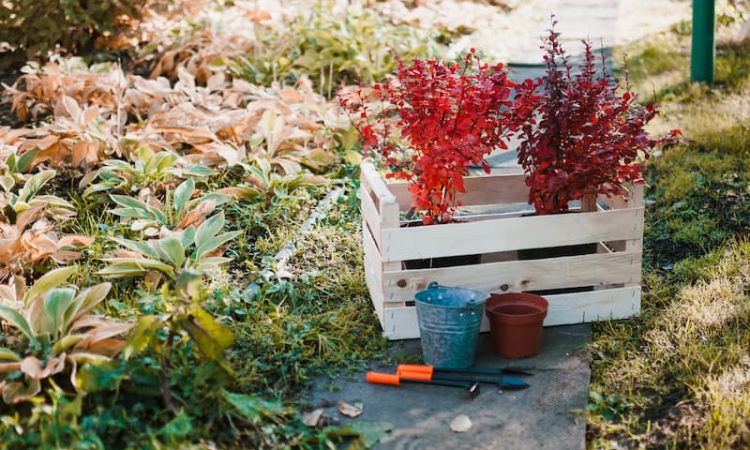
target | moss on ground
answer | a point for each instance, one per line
(678, 376)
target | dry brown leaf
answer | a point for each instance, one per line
(75, 241)
(313, 418)
(197, 215)
(121, 253)
(21, 248)
(20, 391)
(349, 410)
(63, 257)
(32, 367)
(10, 367)
(152, 278)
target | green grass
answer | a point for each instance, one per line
(668, 366)
(289, 332)
(678, 376)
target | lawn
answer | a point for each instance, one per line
(677, 376)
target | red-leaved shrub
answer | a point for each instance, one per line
(431, 121)
(585, 137)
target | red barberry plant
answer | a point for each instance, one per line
(585, 137)
(431, 121)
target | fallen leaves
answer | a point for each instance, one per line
(314, 418)
(350, 410)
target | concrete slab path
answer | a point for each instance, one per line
(548, 415)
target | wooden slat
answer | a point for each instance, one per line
(632, 199)
(389, 215)
(511, 234)
(372, 254)
(564, 309)
(373, 273)
(480, 190)
(370, 215)
(372, 181)
(514, 276)
(375, 294)
(400, 323)
(636, 195)
(385, 204)
(593, 306)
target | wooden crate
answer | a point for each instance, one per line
(614, 271)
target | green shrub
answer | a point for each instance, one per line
(324, 45)
(34, 27)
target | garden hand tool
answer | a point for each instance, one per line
(471, 387)
(414, 368)
(428, 373)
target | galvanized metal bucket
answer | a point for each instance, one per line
(449, 320)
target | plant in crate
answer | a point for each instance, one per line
(586, 137)
(432, 121)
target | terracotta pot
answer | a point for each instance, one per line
(516, 323)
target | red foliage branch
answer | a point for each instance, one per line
(585, 137)
(431, 121)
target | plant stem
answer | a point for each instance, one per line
(165, 392)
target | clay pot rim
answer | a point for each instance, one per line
(516, 298)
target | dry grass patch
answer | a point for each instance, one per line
(682, 363)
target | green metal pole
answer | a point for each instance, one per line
(704, 44)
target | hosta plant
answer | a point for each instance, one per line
(31, 240)
(21, 193)
(15, 166)
(431, 122)
(195, 249)
(178, 212)
(54, 331)
(266, 183)
(156, 171)
(276, 140)
(586, 136)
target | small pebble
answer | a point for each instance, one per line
(461, 424)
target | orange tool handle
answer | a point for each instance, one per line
(415, 368)
(418, 376)
(383, 378)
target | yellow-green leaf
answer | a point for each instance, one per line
(141, 336)
(50, 280)
(211, 336)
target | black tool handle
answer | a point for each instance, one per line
(451, 383)
(477, 371)
(504, 382)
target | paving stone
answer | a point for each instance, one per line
(545, 416)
